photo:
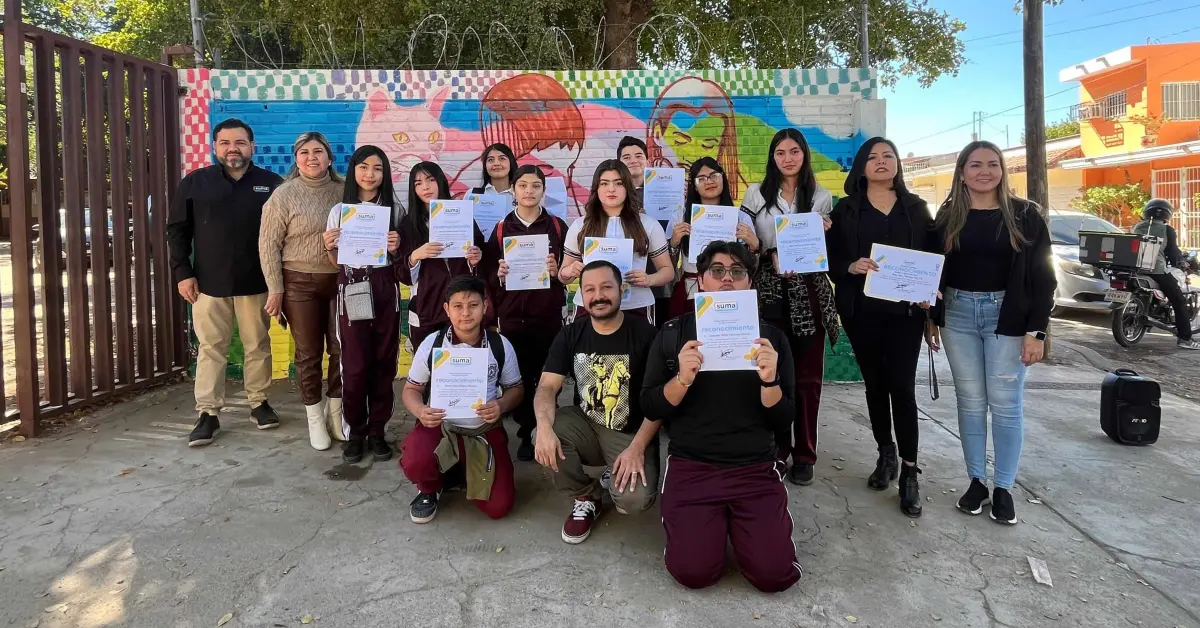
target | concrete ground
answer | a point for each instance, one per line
(119, 523)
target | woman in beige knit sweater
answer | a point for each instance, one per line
(301, 282)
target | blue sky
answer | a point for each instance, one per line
(920, 119)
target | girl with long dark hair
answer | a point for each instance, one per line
(370, 347)
(420, 265)
(499, 170)
(800, 305)
(706, 185)
(998, 289)
(885, 335)
(613, 211)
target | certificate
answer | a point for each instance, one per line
(460, 380)
(662, 193)
(526, 257)
(555, 200)
(801, 242)
(904, 274)
(363, 241)
(451, 223)
(711, 223)
(618, 251)
(727, 325)
(488, 210)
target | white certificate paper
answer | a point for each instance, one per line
(452, 224)
(801, 242)
(711, 223)
(555, 200)
(526, 257)
(619, 251)
(488, 210)
(727, 325)
(459, 383)
(904, 274)
(363, 241)
(662, 193)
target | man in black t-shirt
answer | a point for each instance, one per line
(606, 355)
(726, 478)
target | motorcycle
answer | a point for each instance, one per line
(1139, 305)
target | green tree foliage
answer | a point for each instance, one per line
(908, 38)
(1058, 130)
(1114, 203)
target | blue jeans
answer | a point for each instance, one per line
(988, 375)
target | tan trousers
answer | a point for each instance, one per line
(213, 319)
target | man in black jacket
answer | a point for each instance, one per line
(723, 478)
(212, 234)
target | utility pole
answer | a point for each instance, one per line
(865, 52)
(1035, 113)
(197, 31)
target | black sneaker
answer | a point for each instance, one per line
(910, 491)
(379, 448)
(265, 416)
(885, 468)
(424, 507)
(525, 450)
(801, 474)
(206, 428)
(1003, 510)
(352, 451)
(976, 497)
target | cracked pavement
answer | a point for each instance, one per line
(127, 526)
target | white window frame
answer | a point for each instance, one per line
(1181, 100)
(1114, 105)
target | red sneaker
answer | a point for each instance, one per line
(579, 525)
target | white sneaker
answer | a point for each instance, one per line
(337, 427)
(318, 435)
(1188, 344)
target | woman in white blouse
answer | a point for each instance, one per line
(613, 211)
(800, 305)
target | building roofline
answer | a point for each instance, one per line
(1091, 67)
(1134, 157)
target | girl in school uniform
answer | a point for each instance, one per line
(800, 305)
(613, 211)
(420, 266)
(499, 171)
(706, 186)
(370, 346)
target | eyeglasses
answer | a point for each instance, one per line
(715, 177)
(737, 273)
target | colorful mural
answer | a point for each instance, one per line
(565, 122)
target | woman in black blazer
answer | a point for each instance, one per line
(886, 336)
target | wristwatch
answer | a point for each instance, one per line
(1040, 335)
(770, 384)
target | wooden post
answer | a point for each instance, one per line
(1037, 186)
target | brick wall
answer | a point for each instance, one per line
(565, 121)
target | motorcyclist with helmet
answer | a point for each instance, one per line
(1156, 217)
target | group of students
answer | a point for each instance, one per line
(731, 433)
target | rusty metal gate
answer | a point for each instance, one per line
(94, 310)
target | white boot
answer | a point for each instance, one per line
(336, 427)
(318, 435)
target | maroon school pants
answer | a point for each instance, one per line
(370, 350)
(808, 358)
(420, 466)
(703, 505)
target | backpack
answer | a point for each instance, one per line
(495, 342)
(554, 220)
(672, 342)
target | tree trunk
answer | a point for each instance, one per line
(621, 19)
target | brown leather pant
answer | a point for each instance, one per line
(309, 303)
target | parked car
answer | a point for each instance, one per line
(1080, 286)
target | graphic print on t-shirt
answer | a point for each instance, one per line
(603, 383)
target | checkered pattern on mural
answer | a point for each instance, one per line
(828, 82)
(194, 125)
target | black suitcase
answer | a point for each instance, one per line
(1129, 411)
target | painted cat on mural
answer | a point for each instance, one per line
(411, 134)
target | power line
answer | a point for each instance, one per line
(1089, 28)
(1013, 32)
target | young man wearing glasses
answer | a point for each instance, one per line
(723, 478)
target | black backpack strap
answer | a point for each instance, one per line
(672, 343)
(496, 344)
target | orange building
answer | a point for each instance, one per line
(1139, 114)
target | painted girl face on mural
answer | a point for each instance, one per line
(497, 165)
(312, 160)
(709, 183)
(881, 163)
(425, 186)
(611, 192)
(789, 158)
(983, 172)
(529, 191)
(368, 174)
